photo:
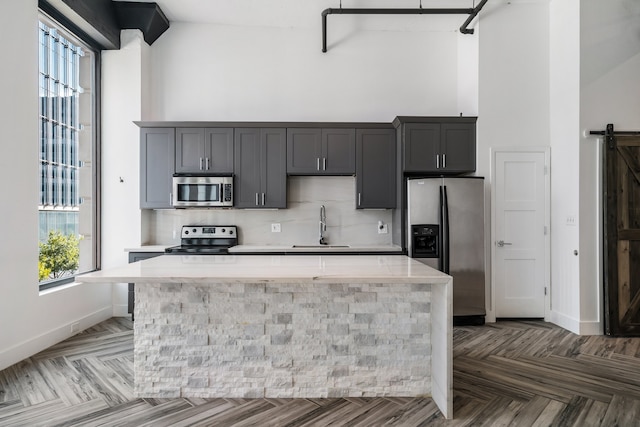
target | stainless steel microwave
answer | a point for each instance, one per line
(202, 191)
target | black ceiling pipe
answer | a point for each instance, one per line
(472, 12)
(476, 10)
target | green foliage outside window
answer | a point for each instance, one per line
(59, 256)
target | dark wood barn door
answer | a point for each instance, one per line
(622, 235)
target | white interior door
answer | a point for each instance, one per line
(520, 244)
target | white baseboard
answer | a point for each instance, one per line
(45, 340)
(576, 326)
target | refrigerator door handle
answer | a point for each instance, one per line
(444, 206)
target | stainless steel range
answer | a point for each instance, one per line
(205, 240)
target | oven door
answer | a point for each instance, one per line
(202, 191)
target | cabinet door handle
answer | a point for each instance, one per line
(207, 163)
(170, 199)
(444, 161)
(359, 199)
(437, 161)
(324, 163)
(262, 199)
(318, 163)
(257, 203)
(200, 163)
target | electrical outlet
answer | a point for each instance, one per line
(382, 228)
(75, 327)
(275, 228)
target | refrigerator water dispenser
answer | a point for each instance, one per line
(425, 241)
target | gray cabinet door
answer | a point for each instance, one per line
(458, 147)
(304, 149)
(315, 151)
(260, 157)
(375, 169)
(190, 156)
(157, 162)
(339, 151)
(421, 147)
(247, 176)
(218, 150)
(274, 162)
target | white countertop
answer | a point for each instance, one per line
(239, 249)
(271, 269)
(148, 248)
(312, 248)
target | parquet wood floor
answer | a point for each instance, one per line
(511, 373)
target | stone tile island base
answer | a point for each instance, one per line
(284, 340)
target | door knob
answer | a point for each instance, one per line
(502, 243)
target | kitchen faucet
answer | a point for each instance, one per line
(323, 225)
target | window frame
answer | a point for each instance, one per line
(50, 15)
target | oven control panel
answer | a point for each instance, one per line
(208, 231)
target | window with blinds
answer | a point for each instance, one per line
(67, 151)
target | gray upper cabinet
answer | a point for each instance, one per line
(445, 147)
(204, 150)
(314, 151)
(458, 147)
(260, 156)
(421, 146)
(375, 169)
(157, 160)
(339, 151)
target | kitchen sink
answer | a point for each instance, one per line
(320, 246)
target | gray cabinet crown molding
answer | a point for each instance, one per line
(400, 120)
(215, 124)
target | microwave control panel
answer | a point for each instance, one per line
(227, 193)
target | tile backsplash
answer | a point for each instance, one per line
(299, 223)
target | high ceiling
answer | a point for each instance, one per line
(282, 13)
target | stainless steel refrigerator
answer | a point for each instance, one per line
(445, 227)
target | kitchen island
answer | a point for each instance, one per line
(290, 327)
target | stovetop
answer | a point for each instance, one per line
(205, 240)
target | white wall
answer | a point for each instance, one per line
(30, 321)
(513, 100)
(609, 93)
(124, 91)
(565, 110)
(212, 72)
